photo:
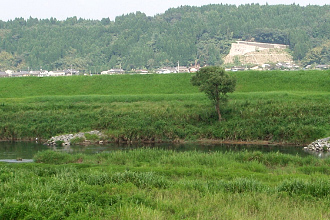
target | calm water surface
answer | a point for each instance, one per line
(26, 150)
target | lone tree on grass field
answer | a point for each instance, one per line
(216, 83)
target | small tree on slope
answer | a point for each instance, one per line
(216, 83)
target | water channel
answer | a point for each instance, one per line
(10, 151)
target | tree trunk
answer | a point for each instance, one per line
(217, 102)
(217, 107)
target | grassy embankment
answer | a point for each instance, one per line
(290, 107)
(160, 184)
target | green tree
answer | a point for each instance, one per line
(318, 55)
(216, 83)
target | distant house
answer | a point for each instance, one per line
(166, 70)
(70, 72)
(235, 69)
(322, 67)
(9, 72)
(56, 73)
(3, 74)
(182, 69)
(113, 72)
(142, 71)
(16, 74)
(43, 73)
(163, 71)
(116, 71)
(255, 68)
(193, 69)
(34, 73)
(286, 65)
(266, 66)
(25, 73)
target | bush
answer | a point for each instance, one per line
(59, 143)
(77, 140)
(92, 137)
(52, 157)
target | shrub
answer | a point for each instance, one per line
(59, 143)
(77, 140)
(52, 157)
(92, 137)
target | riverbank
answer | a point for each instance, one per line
(267, 108)
(104, 140)
(98, 138)
(166, 184)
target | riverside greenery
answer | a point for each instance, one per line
(215, 83)
(164, 184)
(275, 106)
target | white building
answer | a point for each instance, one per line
(56, 73)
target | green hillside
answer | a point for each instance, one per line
(186, 34)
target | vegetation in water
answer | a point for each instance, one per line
(163, 184)
(274, 106)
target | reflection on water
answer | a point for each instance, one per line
(319, 154)
(26, 150)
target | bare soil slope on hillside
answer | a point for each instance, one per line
(257, 53)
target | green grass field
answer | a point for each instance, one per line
(274, 106)
(164, 184)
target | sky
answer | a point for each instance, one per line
(98, 9)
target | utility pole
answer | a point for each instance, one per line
(178, 66)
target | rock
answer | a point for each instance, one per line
(319, 145)
(66, 139)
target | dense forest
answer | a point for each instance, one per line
(186, 34)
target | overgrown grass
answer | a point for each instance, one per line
(275, 106)
(162, 184)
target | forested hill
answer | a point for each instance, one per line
(186, 34)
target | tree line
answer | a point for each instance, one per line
(187, 34)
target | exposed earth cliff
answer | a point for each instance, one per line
(257, 53)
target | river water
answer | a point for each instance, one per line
(26, 150)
